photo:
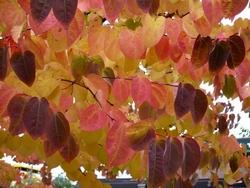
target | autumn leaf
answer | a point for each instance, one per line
(40, 9)
(70, 150)
(24, 66)
(3, 62)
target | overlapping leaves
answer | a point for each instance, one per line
(166, 157)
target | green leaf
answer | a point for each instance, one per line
(229, 86)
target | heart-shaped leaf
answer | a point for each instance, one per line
(70, 150)
(199, 106)
(156, 176)
(184, 99)
(201, 50)
(219, 56)
(237, 51)
(24, 66)
(191, 157)
(65, 10)
(173, 156)
(40, 9)
(15, 111)
(58, 130)
(36, 116)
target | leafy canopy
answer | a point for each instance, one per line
(114, 85)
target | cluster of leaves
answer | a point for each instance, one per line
(114, 84)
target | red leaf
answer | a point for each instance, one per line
(58, 130)
(121, 89)
(15, 111)
(65, 11)
(237, 51)
(36, 116)
(156, 176)
(70, 150)
(113, 8)
(131, 44)
(213, 10)
(191, 158)
(24, 66)
(218, 56)
(140, 135)
(184, 99)
(40, 9)
(173, 156)
(117, 145)
(201, 50)
(140, 90)
(3, 61)
(199, 106)
(162, 48)
(233, 7)
(92, 118)
(145, 5)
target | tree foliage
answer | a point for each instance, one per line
(115, 85)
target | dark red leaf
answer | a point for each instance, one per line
(222, 124)
(199, 106)
(146, 111)
(156, 176)
(173, 156)
(15, 111)
(191, 159)
(40, 9)
(140, 135)
(145, 5)
(3, 61)
(24, 66)
(65, 10)
(237, 51)
(36, 116)
(219, 56)
(184, 99)
(113, 8)
(201, 50)
(58, 130)
(154, 7)
(70, 150)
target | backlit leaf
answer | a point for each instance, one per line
(140, 135)
(184, 99)
(162, 48)
(24, 66)
(70, 150)
(173, 156)
(36, 116)
(229, 86)
(6, 94)
(146, 111)
(213, 10)
(156, 176)
(145, 5)
(199, 106)
(58, 130)
(237, 51)
(180, 183)
(15, 111)
(117, 145)
(92, 118)
(40, 9)
(233, 7)
(201, 50)
(65, 11)
(219, 56)
(3, 61)
(131, 44)
(121, 89)
(191, 158)
(113, 8)
(140, 90)
(49, 148)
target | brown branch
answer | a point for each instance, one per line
(171, 15)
